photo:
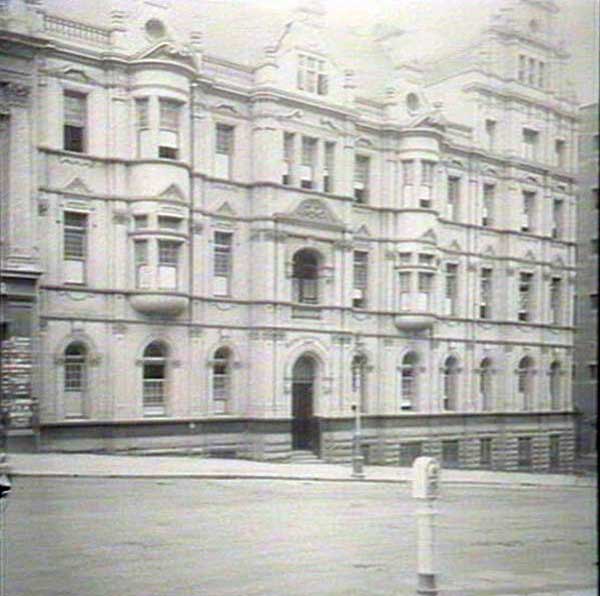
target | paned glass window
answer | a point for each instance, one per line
(487, 216)
(75, 246)
(555, 300)
(74, 125)
(329, 171)
(485, 299)
(359, 297)
(288, 158)
(527, 216)
(530, 144)
(222, 261)
(408, 172)
(154, 379)
(141, 112)
(168, 260)
(525, 296)
(408, 381)
(169, 118)
(453, 197)
(427, 173)
(361, 178)
(557, 218)
(451, 290)
(221, 380)
(312, 75)
(309, 146)
(485, 384)
(75, 368)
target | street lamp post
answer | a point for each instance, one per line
(357, 458)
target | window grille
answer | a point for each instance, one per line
(75, 235)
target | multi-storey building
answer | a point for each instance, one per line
(585, 383)
(236, 246)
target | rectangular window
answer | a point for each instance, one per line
(168, 262)
(522, 68)
(74, 125)
(408, 172)
(140, 222)
(531, 71)
(427, 173)
(485, 300)
(141, 113)
(554, 454)
(329, 171)
(530, 144)
(426, 259)
(75, 246)
(307, 169)
(594, 246)
(541, 75)
(525, 296)
(311, 75)
(485, 452)
(405, 257)
(169, 116)
(527, 214)
(487, 216)
(409, 452)
(453, 197)
(594, 301)
(424, 295)
(451, 288)
(224, 151)
(404, 289)
(450, 456)
(555, 300)
(359, 296)
(142, 272)
(223, 242)
(593, 371)
(560, 153)
(490, 133)
(524, 452)
(595, 198)
(557, 218)
(166, 222)
(288, 158)
(361, 178)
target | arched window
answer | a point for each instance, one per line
(555, 389)
(306, 277)
(75, 367)
(408, 381)
(359, 381)
(155, 379)
(485, 384)
(525, 382)
(450, 379)
(221, 380)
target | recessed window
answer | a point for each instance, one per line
(155, 29)
(359, 296)
(307, 169)
(140, 222)
(530, 143)
(75, 117)
(453, 197)
(312, 75)
(168, 263)
(412, 102)
(222, 261)
(524, 452)
(450, 453)
(405, 257)
(169, 113)
(426, 259)
(224, 150)
(487, 215)
(75, 247)
(288, 158)
(167, 222)
(525, 296)
(361, 178)
(485, 298)
(329, 171)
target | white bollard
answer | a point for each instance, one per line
(426, 476)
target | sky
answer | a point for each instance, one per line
(577, 24)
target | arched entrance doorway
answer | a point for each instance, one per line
(304, 424)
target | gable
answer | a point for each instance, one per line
(167, 51)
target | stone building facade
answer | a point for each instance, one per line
(232, 253)
(585, 383)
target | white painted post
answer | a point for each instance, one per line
(426, 477)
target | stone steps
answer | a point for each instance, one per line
(304, 457)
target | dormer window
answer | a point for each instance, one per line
(312, 76)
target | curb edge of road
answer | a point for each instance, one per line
(216, 476)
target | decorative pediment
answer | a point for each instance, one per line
(429, 236)
(77, 187)
(530, 256)
(455, 246)
(530, 180)
(363, 232)
(363, 142)
(169, 51)
(71, 73)
(434, 120)
(226, 210)
(489, 251)
(172, 193)
(558, 262)
(330, 124)
(227, 109)
(489, 171)
(315, 211)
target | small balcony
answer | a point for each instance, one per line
(164, 304)
(416, 311)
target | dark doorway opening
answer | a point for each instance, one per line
(304, 423)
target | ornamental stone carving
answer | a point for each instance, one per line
(14, 94)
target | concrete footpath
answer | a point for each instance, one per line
(137, 466)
